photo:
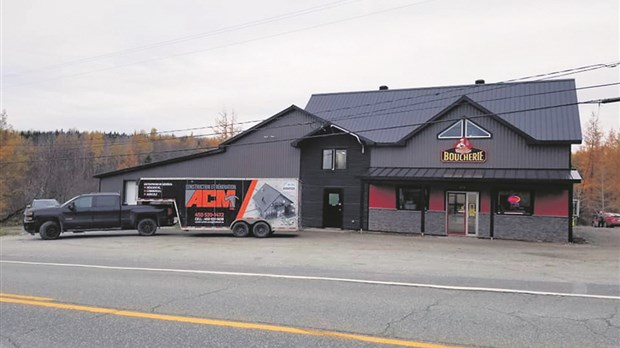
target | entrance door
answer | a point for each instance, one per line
(332, 207)
(462, 213)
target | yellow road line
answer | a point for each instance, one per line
(24, 297)
(227, 323)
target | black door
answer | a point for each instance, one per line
(332, 207)
(106, 212)
(81, 214)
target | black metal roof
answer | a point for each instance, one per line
(472, 174)
(546, 111)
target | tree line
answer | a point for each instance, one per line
(61, 164)
(598, 162)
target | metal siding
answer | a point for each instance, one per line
(315, 179)
(367, 113)
(506, 148)
(265, 153)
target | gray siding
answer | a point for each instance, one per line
(263, 153)
(315, 179)
(506, 148)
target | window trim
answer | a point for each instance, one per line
(333, 152)
(423, 193)
(498, 203)
(463, 124)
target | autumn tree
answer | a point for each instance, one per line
(226, 125)
(597, 162)
(13, 169)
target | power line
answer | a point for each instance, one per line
(196, 36)
(500, 85)
(218, 47)
(207, 149)
(373, 113)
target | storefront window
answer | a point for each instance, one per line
(514, 202)
(410, 198)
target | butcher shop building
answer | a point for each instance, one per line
(480, 160)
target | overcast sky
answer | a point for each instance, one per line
(125, 65)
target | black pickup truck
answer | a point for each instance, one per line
(97, 211)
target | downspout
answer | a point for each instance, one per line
(353, 134)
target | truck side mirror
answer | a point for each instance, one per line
(71, 206)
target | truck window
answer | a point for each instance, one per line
(83, 202)
(107, 201)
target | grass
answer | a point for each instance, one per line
(10, 230)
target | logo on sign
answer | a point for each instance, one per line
(212, 199)
(463, 151)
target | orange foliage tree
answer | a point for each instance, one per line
(597, 162)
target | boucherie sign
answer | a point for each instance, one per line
(463, 151)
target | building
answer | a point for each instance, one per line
(482, 160)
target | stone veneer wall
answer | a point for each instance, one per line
(484, 225)
(531, 228)
(435, 223)
(392, 220)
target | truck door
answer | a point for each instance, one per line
(106, 212)
(80, 216)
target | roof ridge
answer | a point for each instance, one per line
(441, 87)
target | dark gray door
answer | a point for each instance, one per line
(80, 216)
(106, 212)
(332, 207)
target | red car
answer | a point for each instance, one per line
(606, 219)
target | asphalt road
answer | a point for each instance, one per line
(310, 289)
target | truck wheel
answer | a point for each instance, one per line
(240, 230)
(261, 230)
(49, 230)
(147, 227)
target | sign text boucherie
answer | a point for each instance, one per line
(463, 151)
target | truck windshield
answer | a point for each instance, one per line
(69, 201)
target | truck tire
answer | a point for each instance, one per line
(240, 230)
(147, 227)
(49, 230)
(261, 230)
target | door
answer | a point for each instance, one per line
(332, 207)
(130, 192)
(106, 212)
(462, 213)
(80, 216)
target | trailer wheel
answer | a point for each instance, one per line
(147, 227)
(261, 230)
(240, 230)
(49, 230)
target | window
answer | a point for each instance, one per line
(515, 203)
(107, 201)
(334, 159)
(464, 128)
(410, 198)
(84, 202)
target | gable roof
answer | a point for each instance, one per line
(544, 111)
(209, 152)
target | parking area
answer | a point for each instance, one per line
(590, 266)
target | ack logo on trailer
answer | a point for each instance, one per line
(212, 199)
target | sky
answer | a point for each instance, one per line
(130, 65)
